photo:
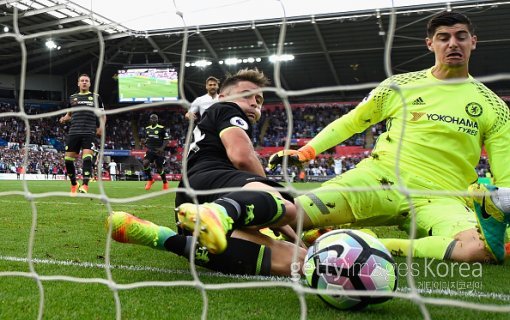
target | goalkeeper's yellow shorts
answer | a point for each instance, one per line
(374, 203)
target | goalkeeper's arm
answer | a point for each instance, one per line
(334, 133)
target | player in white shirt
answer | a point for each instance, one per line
(113, 170)
(200, 104)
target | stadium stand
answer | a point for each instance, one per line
(124, 132)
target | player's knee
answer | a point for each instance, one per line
(473, 250)
(290, 213)
(257, 207)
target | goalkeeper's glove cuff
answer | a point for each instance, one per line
(306, 153)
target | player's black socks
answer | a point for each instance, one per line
(71, 171)
(240, 257)
(177, 244)
(252, 208)
(87, 168)
(148, 173)
(163, 176)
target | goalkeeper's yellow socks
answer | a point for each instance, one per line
(429, 247)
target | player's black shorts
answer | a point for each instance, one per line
(152, 156)
(222, 178)
(77, 142)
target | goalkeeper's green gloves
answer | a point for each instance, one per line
(295, 157)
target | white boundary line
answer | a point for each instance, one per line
(133, 268)
(95, 203)
(450, 293)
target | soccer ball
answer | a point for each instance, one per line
(346, 259)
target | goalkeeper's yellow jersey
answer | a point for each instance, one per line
(442, 126)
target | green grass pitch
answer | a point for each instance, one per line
(144, 87)
(69, 277)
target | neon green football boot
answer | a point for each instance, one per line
(127, 228)
(214, 224)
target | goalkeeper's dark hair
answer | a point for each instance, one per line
(252, 75)
(84, 75)
(448, 18)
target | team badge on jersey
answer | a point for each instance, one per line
(474, 109)
(239, 122)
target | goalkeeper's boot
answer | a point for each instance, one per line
(214, 224)
(83, 189)
(309, 236)
(75, 189)
(127, 228)
(165, 185)
(370, 232)
(149, 183)
(491, 220)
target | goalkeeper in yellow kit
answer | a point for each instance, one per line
(437, 122)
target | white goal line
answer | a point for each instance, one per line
(443, 292)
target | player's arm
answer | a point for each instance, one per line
(357, 120)
(240, 150)
(498, 148)
(192, 112)
(100, 105)
(99, 131)
(164, 141)
(65, 118)
(336, 132)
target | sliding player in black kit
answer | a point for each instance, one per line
(222, 156)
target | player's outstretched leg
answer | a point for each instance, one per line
(128, 228)
(491, 220)
(214, 224)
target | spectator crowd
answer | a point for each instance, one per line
(124, 131)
